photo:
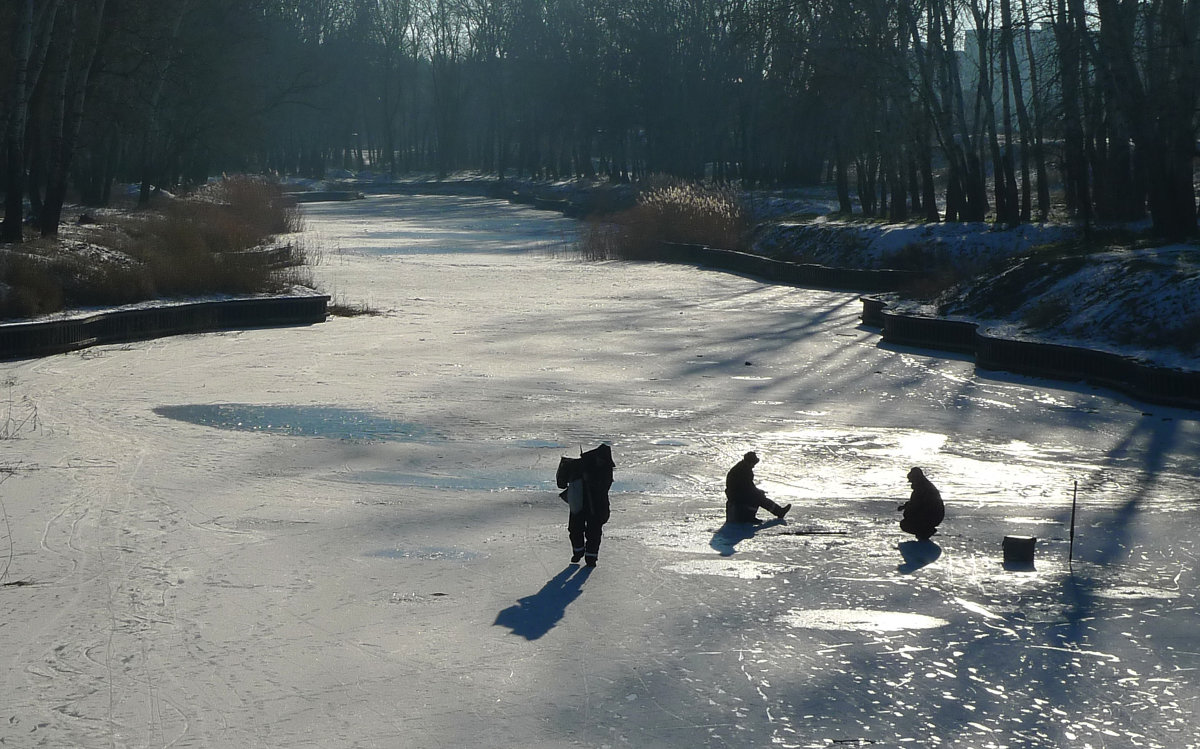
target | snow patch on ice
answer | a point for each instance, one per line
(1021, 520)
(742, 569)
(429, 552)
(1134, 592)
(655, 413)
(857, 620)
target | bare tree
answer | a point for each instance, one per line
(81, 40)
(33, 23)
(1157, 88)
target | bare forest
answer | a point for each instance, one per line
(938, 110)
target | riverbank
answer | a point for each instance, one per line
(1115, 291)
(222, 240)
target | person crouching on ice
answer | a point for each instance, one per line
(924, 510)
(743, 498)
(586, 481)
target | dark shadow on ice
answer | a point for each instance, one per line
(904, 348)
(729, 535)
(535, 615)
(1019, 567)
(1148, 444)
(331, 422)
(917, 554)
(1080, 586)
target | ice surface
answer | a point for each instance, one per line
(372, 553)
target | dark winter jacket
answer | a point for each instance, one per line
(739, 484)
(924, 506)
(595, 468)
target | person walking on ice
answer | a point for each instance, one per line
(743, 498)
(924, 510)
(585, 482)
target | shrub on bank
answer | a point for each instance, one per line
(217, 241)
(683, 212)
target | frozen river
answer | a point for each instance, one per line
(347, 535)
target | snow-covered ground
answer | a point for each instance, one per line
(1020, 282)
(347, 535)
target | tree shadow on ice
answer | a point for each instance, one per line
(535, 615)
(1147, 446)
(917, 554)
(728, 536)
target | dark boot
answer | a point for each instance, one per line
(775, 509)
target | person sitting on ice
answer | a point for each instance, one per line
(924, 509)
(743, 498)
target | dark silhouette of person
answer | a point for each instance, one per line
(585, 482)
(924, 509)
(743, 498)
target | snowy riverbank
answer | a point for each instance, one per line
(1031, 282)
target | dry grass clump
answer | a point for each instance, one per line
(29, 286)
(218, 241)
(342, 308)
(682, 212)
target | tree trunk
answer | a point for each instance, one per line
(74, 99)
(865, 169)
(1070, 28)
(898, 206)
(1023, 121)
(14, 135)
(1007, 166)
(1038, 136)
(914, 180)
(928, 188)
(973, 178)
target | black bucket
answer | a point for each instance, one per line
(1018, 551)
